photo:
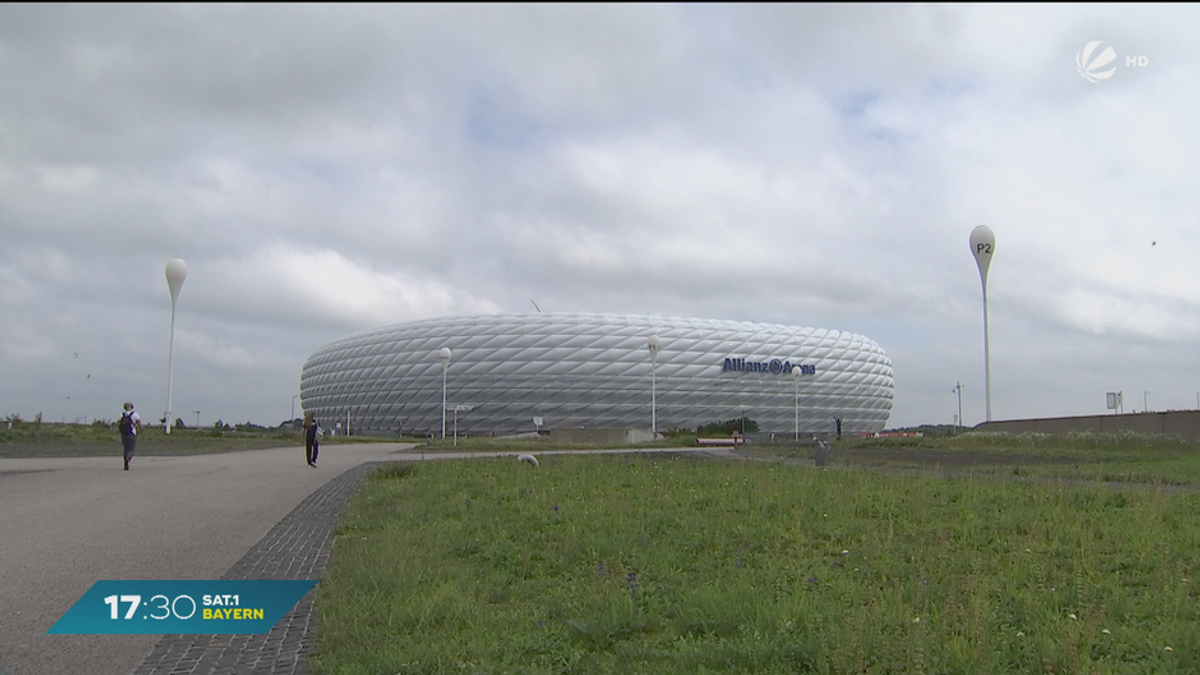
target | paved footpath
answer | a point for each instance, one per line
(260, 514)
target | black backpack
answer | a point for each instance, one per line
(126, 423)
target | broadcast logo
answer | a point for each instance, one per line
(1095, 67)
(1095, 63)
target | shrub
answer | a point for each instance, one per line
(727, 427)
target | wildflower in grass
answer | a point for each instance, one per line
(1106, 632)
(1168, 649)
(812, 580)
(916, 619)
(1072, 616)
(600, 570)
(741, 561)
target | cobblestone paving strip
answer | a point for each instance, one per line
(295, 549)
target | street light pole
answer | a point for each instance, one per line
(197, 418)
(958, 388)
(983, 244)
(457, 409)
(293, 419)
(653, 343)
(176, 273)
(444, 357)
(1145, 403)
(796, 383)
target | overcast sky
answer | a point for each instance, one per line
(325, 169)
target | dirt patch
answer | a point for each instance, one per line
(930, 458)
(912, 458)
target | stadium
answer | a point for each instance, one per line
(513, 373)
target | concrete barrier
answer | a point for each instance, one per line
(720, 441)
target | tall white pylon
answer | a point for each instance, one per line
(983, 245)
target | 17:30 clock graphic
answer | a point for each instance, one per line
(168, 606)
(180, 607)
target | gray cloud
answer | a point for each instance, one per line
(325, 168)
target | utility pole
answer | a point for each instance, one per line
(958, 388)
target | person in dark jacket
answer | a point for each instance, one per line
(129, 425)
(312, 440)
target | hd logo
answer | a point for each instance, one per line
(1095, 64)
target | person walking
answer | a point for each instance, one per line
(312, 441)
(129, 425)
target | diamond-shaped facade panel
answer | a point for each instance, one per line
(596, 370)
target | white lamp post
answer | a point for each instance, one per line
(653, 343)
(983, 245)
(796, 381)
(444, 357)
(176, 273)
(958, 420)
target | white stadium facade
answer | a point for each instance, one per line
(596, 371)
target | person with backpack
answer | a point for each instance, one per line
(312, 441)
(129, 424)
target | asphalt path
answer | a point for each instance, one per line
(67, 523)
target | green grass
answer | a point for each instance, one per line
(1125, 457)
(664, 564)
(33, 439)
(483, 444)
(41, 439)
(1034, 444)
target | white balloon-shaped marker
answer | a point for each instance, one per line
(983, 246)
(176, 274)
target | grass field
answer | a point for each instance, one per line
(47, 439)
(1132, 458)
(670, 564)
(32, 439)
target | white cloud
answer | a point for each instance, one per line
(320, 286)
(327, 168)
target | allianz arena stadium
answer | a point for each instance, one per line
(596, 371)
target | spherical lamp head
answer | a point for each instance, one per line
(176, 273)
(983, 245)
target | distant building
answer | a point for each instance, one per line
(594, 371)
